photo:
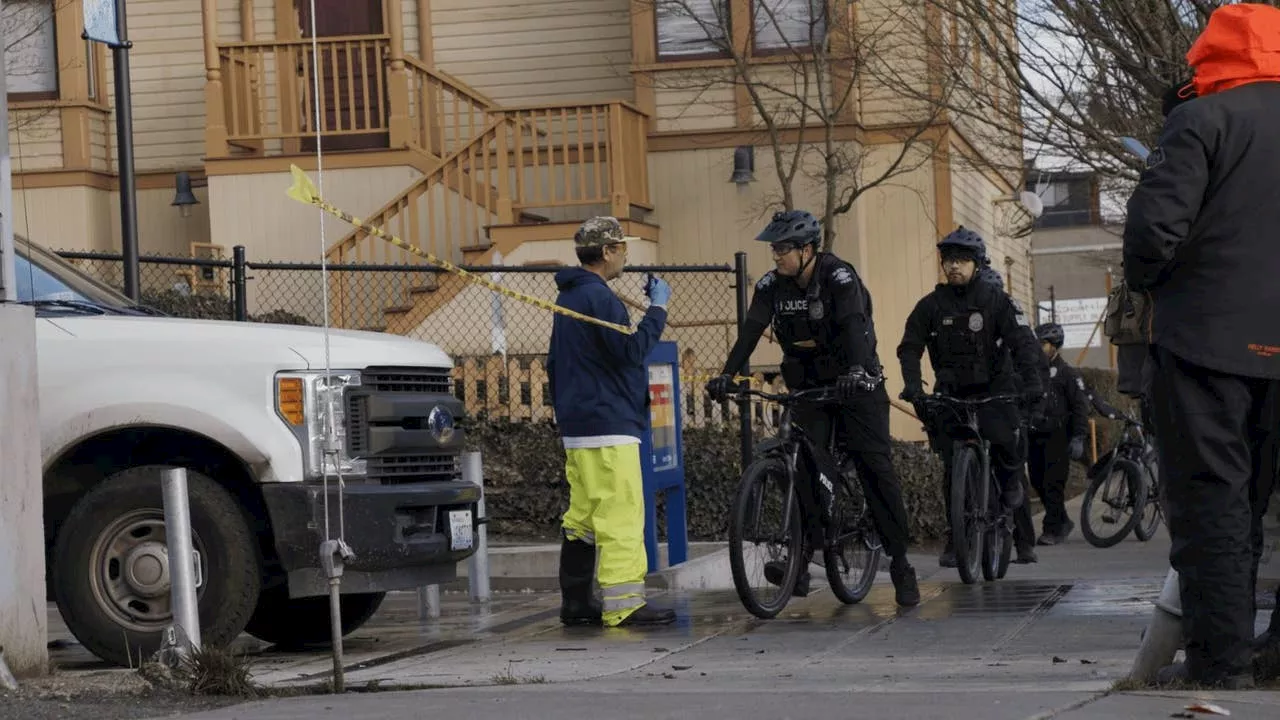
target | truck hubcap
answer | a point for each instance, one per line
(129, 570)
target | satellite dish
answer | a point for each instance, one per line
(1032, 202)
(1136, 147)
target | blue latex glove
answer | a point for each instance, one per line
(1076, 448)
(658, 290)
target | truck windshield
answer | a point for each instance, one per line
(53, 284)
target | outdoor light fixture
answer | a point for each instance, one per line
(184, 198)
(744, 165)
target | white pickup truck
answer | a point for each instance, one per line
(125, 393)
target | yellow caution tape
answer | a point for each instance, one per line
(304, 191)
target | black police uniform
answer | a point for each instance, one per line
(825, 329)
(1065, 418)
(975, 335)
(1200, 238)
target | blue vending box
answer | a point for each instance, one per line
(662, 456)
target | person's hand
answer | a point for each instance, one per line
(718, 387)
(1076, 448)
(912, 394)
(855, 380)
(658, 290)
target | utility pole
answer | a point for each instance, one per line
(104, 22)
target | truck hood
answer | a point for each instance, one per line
(279, 345)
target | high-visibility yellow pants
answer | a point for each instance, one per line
(606, 508)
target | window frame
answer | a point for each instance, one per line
(45, 95)
(716, 54)
(793, 48)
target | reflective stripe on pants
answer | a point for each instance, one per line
(606, 506)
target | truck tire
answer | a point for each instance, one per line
(110, 570)
(295, 622)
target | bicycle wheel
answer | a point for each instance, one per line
(997, 546)
(1117, 495)
(968, 505)
(763, 497)
(1152, 513)
(852, 557)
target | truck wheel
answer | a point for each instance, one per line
(295, 622)
(111, 569)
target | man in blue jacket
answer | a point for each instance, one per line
(600, 390)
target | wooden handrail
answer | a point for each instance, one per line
(272, 42)
(458, 86)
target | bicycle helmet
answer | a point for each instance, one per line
(963, 238)
(795, 226)
(1051, 333)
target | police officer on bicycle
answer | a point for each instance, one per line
(976, 335)
(821, 316)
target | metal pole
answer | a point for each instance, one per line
(182, 579)
(8, 277)
(239, 286)
(1053, 306)
(478, 565)
(744, 403)
(124, 141)
(429, 602)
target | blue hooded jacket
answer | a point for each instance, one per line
(599, 385)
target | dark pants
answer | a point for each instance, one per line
(1049, 466)
(999, 424)
(1217, 471)
(862, 430)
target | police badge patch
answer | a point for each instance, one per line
(816, 310)
(842, 276)
(765, 281)
(1080, 383)
(1053, 371)
(975, 322)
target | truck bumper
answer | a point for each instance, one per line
(400, 534)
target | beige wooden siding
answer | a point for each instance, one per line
(536, 51)
(694, 100)
(101, 127)
(35, 139)
(896, 67)
(64, 218)
(168, 76)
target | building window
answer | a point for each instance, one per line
(30, 50)
(689, 29)
(781, 25)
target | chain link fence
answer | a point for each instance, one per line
(498, 343)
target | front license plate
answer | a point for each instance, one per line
(460, 528)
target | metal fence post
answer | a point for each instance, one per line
(182, 574)
(429, 602)
(239, 286)
(478, 564)
(744, 403)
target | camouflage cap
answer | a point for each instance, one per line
(598, 231)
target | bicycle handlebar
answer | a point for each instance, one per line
(950, 400)
(828, 392)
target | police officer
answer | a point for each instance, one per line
(975, 335)
(1056, 434)
(600, 393)
(821, 316)
(1199, 239)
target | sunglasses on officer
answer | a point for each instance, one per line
(782, 248)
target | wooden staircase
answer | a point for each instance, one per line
(491, 168)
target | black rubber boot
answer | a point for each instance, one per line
(649, 615)
(906, 589)
(947, 558)
(578, 605)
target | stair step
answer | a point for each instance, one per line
(422, 289)
(477, 247)
(528, 218)
(399, 309)
(375, 328)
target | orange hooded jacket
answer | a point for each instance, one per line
(1240, 45)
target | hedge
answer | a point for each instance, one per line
(526, 491)
(211, 306)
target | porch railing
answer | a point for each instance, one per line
(268, 88)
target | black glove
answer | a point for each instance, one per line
(1076, 448)
(912, 394)
(854, 381)
(718, 387)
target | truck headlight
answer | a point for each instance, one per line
(313, 405)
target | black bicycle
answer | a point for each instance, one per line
(1123, 491)
(981, 528)
(770, 515)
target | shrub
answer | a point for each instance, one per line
(212, 306)
(526, 491)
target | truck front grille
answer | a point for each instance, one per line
(406, 380)
(398, 470)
